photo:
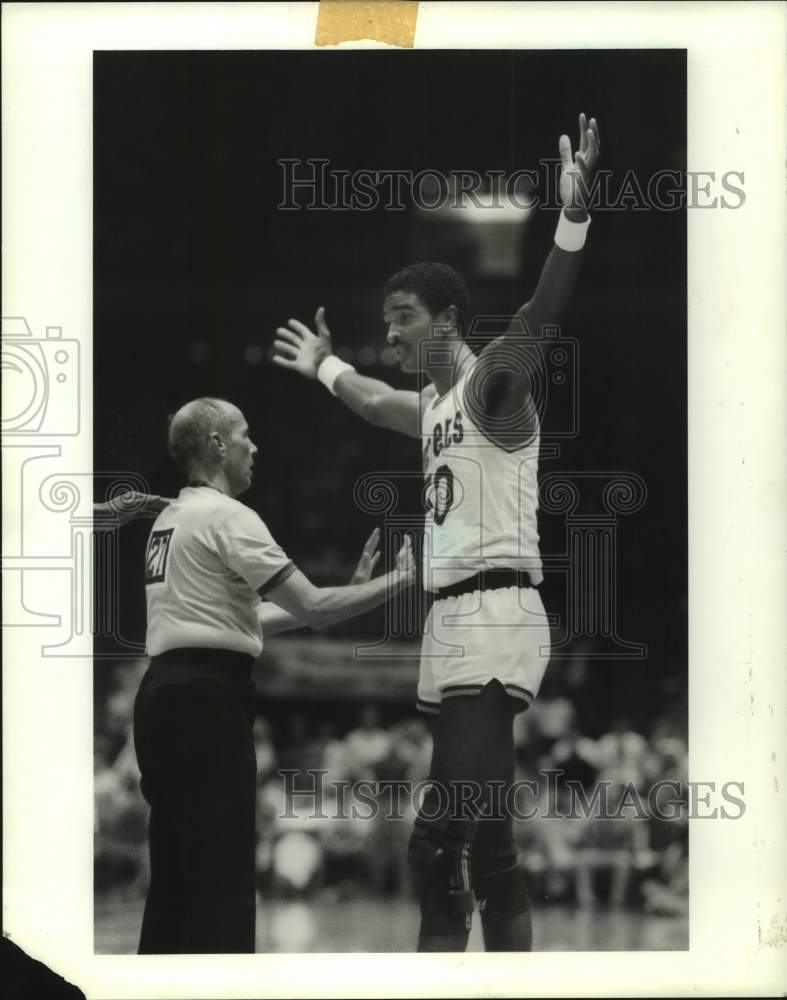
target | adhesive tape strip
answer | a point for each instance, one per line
(389, 21)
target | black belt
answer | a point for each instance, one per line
(200, 664)
(487, 579)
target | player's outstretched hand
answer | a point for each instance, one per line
(576, 172)
(127, 507)
(369, 557)
(405, 560)
(298, 348)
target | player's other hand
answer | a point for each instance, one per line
(369, 557)
(576, 172)
(126, 507)
(298, 348)
(405, 561)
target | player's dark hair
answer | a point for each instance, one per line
(437, 285)
(190, 429)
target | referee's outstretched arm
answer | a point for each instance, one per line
(319, 607)
(274, 620)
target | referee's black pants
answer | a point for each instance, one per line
(193, 721)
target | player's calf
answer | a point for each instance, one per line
(440, 859)
(501, 888)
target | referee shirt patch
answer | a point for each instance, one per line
(157, 554)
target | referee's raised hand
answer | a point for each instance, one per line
(296, 347)
(368, 560)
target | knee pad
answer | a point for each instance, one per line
(439, 856)
(501, 888)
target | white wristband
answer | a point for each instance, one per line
(570, 235)
(330, 369)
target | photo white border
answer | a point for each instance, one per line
(738, 592)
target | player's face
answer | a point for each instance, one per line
(239, 456)
(409, 322)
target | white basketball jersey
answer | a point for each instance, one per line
(481, 500)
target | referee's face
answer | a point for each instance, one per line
(239, 455)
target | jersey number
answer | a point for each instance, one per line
(439, 492)
(158, 552)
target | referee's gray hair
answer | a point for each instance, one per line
(190, 428)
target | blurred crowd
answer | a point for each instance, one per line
(327, 792)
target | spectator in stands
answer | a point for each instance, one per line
(368, 744)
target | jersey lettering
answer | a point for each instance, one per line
(439, 492)
(157, 555)
(449, 432)
(437, 439)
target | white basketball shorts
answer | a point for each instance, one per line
(474, 638)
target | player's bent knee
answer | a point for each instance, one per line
(502, 891)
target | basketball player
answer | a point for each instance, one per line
(209, 560)
(486, 638)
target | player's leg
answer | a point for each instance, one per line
(472, 756)
(500, 886)
(439, 844)
(499, 880)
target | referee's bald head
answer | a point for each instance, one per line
(190, 429)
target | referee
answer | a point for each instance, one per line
(209, 561)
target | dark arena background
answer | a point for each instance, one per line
(195, 266)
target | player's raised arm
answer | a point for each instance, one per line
(311, 355)
(502, 380)
(562, 265)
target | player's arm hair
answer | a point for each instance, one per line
(379, 403)
(319, 607)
